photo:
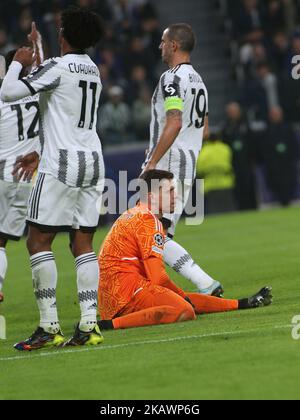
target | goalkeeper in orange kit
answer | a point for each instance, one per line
(134, 288)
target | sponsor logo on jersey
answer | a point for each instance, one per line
(159, 239)
(171, 90)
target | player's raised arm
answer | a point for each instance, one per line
(36, 39)
(12, 88)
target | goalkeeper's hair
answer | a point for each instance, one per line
(81, 27)
(153, 179)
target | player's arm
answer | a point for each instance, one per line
(46, 78)
(150, 238)
(12, 88)
(206, 132)
(168, 137)
(157, 275)
(174, 106)
(36, 39)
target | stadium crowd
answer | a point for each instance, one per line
(265, 36)
(127, 57)
(262, 121)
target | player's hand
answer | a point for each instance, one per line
(26, 166)
(34, 35)
(25, 56)
(148, 167)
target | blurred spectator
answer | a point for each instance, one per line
(279, 52)
(136, 55)
(274, 19)
(251, 55)
(142, 115)
(24, 24)
(138, 81)
(248, 23)
(280, 156)
(237, 135)
(215, 167)
(5, 45)
(264, 39)
(114, 118)
(261, 93)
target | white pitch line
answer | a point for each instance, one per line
(137, 343)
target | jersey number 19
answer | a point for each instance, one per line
(199, 104)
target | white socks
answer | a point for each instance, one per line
(3, 267)
(44, 274)
(87, 283)
(180, 260)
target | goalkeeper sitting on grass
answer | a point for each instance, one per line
(135, 289)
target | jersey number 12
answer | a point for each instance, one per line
(32, 132)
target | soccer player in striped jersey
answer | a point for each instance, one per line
(71, 173)
(179, 123)
(19, 135)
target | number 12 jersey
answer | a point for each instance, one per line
(19, 133)
(183, 89)
(69, 89)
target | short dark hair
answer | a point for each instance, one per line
(9, 58)
(153, 177)
(184, 35)
(81, 27)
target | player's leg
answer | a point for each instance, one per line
(152, 305)
(87, 268)
(208, 304)
(178, 258)
(3, 265)
(5, 200)
(13, 203)
(50, 211)
(85, 224)
(44, 275)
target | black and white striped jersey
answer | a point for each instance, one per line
(180, 88)
(69, 89)
(19, 133)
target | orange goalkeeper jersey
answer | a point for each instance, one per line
(136, 237)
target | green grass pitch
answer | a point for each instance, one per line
(239, 355)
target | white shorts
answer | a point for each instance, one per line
(14, 198)
(182, 164)
(56, 207)
(183, 193)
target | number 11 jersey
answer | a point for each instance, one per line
(69, 88)
(183, 89)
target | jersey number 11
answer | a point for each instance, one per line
(83, 84)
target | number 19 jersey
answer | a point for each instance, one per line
(183, 89)
(69, 89)
(19, 133)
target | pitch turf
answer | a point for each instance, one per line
(240, 355)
